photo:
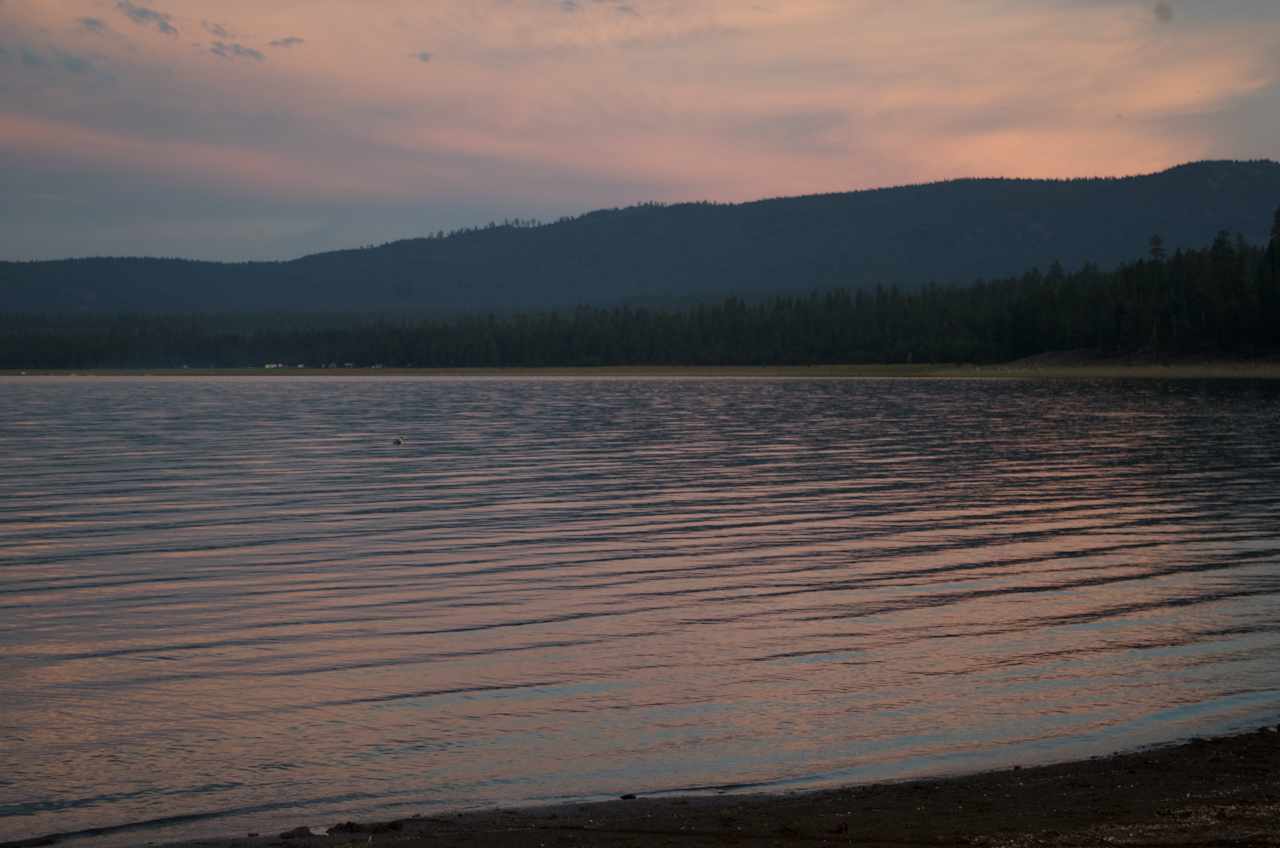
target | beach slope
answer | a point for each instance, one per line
(1206, 792)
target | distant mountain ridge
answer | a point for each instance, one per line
(954, 231)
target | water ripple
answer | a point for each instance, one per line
(223, 601)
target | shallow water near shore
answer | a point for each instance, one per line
(233, 604)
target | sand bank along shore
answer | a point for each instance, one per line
(1030, 369)
(1222, 792)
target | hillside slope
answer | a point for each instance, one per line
(950, 232)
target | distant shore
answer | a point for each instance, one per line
(1029, 369)
(1223, 791)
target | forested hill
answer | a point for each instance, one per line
(946, 232)
(1221, 300)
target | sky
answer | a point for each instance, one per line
(243, 129)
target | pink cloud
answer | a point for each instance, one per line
(525, 101)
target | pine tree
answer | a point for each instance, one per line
(1157, 248)
(1269, 287)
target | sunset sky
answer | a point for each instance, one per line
(239, 129)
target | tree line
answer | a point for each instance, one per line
(1223, 299)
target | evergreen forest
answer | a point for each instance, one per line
(1222, 299)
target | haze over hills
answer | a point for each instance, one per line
(954, 231)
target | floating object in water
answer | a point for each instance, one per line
(397, 441)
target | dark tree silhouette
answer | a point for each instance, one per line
(1220, 300)
(1157, 250)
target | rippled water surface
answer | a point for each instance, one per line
(235, 604)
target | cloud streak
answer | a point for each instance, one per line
(145, 16)
(235, 50)
(53, 59)
(217, 30)
(73, 63)
(544, 112)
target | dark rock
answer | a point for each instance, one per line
(297, 833)
(356, 827)
(630, 796)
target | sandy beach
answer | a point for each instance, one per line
(1223, 791)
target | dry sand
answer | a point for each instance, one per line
(1041, 367)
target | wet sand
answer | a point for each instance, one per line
(1222, 792)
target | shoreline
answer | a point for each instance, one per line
(1220, 791)
(1020, 370)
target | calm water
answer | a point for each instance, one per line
(235, 601)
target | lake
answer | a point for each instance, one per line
(235, 604)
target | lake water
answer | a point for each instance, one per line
(234, 604)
